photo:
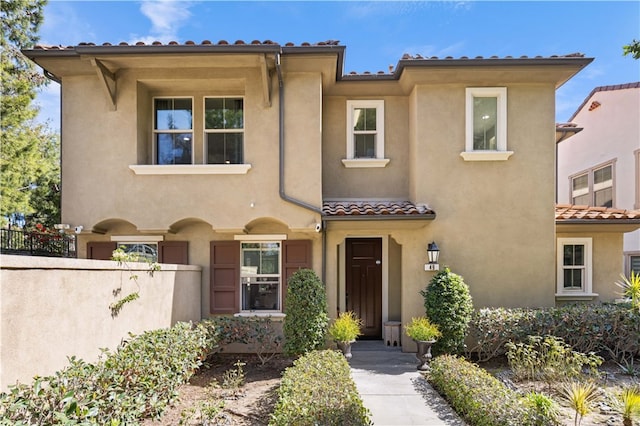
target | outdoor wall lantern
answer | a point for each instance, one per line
(433, 253)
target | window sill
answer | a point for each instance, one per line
(486, 155)
(361, 163)
(576, 296)
(274, 315)
(190, 169)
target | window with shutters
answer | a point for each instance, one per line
(260, 276)
(249, 275)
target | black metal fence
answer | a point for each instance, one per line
(37, 243)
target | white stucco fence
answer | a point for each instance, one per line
(53, 308)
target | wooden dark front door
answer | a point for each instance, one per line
(364, 283)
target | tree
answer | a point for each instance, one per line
(29, 157)
(632, 49)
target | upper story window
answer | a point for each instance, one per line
(173, 130)
(224, 130)
(260, 276)
(197, 135)
(593, 187)
(486, 124)
(365, 134)
(574, 262)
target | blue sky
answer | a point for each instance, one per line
(376, 34)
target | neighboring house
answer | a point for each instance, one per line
(600, 165)
(254, 160)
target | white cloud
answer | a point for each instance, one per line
(166, 16)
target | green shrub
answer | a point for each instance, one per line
(543, 411)
(610, 330)
(548, 359)
(139, 380)
(448, 304)
(345, 328)
(306, 323)
(477, 396)
(318, 390)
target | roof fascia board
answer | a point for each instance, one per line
(380, 217)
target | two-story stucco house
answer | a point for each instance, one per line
(253, 160)
(600, 165)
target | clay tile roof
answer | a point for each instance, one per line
(370, 209)
(586, 214)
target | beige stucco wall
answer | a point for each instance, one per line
(495, 219)
(98, 141)
(55, 308)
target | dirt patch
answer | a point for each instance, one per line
(206, 395)
(611, 381)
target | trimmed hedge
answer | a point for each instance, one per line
(610, 330)
(318, 390)
(477, 396)
(137, 381)
(448, 304)
(305, 325)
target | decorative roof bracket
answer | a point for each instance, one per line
(266, 84)
(108, 81)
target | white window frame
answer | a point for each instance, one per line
(155, 131)
(587, 290)
(590, 173)
(244, 275)
(205, 145)
(379, 161)
(155, 169)
(627, 261)
(501, 153)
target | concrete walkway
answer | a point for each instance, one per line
(394, 390)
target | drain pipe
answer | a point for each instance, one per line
(283, 194)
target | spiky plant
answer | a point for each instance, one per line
(631, 289)
(580, 397)
(630, 405)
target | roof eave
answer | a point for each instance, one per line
(428, 216)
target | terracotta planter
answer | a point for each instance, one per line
(424, 353)
(345, 347)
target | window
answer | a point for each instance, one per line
(143, 250)
(593, 187)
(574, 266)
(365, 134)
(260, 276)
(486, 124)
(224, 130)
(173, 130)
(632, 263)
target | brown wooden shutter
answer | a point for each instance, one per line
(100, 250)
(225, 277)
(173, 252)
(296, 254)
